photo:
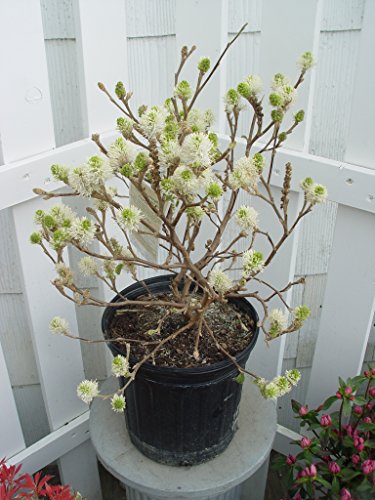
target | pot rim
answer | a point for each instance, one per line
(155, 280)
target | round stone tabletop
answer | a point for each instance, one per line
(244, 456)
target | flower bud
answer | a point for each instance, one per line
(120, 90)
(345, 494)
(183, 90)
(305, 442)
(348, 390)
(303, 411)
(358, 410)
(204, 64)
(334, 468)
(372, 392)
(356, 459)
(276, 99)
(36, 238)
(299, 116)
(325, 421)
(368, 467)
(367, 420)
(338, 395)
(291, 459)
(277, 115)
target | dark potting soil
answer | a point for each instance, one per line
(232, 328)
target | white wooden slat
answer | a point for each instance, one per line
(242, 11)
(147, 18)
(204, 23)
(58, 358)
(360, 148)
(349, 303)
(26, 119)
(31, 412)
(284, 38)
(11, 437)
(80, 475)
(283, 438)
(53, 446)
(339, 15)
(266, 360)
(101, 44)
(58, 19)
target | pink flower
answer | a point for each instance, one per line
(358, 410)
(367, 420)
(338, 395)
(368, 466)
(373, 371)
(325, 421)
(297, 496)
(358, 443)
(334, 468)
(345, 494)
(372, 392)
(305, 442)
(303, 411)
(367, 374)
(349, 430)
(348, 390)
(290, 459)
(309, 471)
(356, 459)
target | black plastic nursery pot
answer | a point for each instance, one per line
(181, 416)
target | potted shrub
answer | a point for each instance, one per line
(181, 339)
(337, 458)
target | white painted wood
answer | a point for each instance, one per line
(101, 43)
(11, 437)
(26, 118)
(35, 171)
(78, 473)
(339, 15)
(348, 304)
(53, 446)
(58, 358)
(152, 56)
(58, 19)
(242, 11)
(204, 23)
(31, 412)
(147, 18)
(282, 441)
(284, 38)
(360, 148)
(348, 184)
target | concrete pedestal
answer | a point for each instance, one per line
(239, 473)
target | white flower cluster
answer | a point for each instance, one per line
(219, 281)
(280, 385)
(82, 230)
(200, 121)
(315, 193)
(89, 177)
(245, 174)
(255, 84)
(118, 403)
(59, 325)
(169, 152)
(129, 218)
(247, 218)
(62, 214)
(197, 151)
(152, 121)
(252, 262)
(120, 153)
(120, 366)
(185, 182)
(87, 390)
(88, 266)
(284, 90)
(278, 322)
(305, 61)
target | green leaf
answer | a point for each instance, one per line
(295, 405)
(347, 408)
(349, 474)
(335, 485)
(240, 379)
(329, 402)
(325, 483)
(342, 382)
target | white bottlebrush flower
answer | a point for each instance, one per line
(219, 281)
(232, 99)
(120, 153)
(200, 121)
(87, 390)
(153, 121)
(293, 376)
(255, 84)
(82, 230)
(89, 177)
(129, 218)
(62, 214)
(118, 403)
(282, 384)
(245, 174)
(270, 391)
(120, 366)
(184, 182)
(317, 194)
(169, 152)
(305, 61)
(197, 150)
(87, 266)
(66, 276)
(195, 213)
(278, 322)
(247, 218)
(59, 325)
(252, 262)
(278, 81)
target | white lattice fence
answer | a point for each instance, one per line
(27, 150)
